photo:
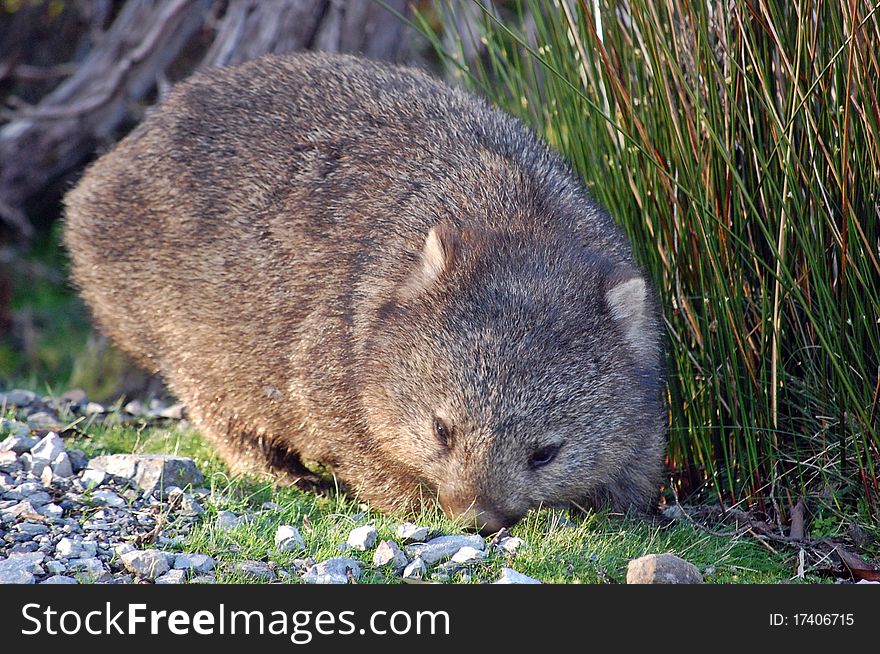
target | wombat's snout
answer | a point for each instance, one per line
(471, 513)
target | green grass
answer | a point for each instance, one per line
(594, 550)
(738, 144)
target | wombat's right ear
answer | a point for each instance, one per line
(626, 294)
(437, 258)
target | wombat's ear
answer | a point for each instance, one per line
(626, 294)
(438, 252)
(437, 258)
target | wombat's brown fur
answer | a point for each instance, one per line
(337, 261)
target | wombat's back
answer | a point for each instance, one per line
(281, 178)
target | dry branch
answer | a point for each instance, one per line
(148, 43)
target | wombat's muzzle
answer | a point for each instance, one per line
(476, 515)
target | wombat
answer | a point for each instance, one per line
(337, 261)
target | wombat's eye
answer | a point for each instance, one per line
(544, 455)
(442, 432)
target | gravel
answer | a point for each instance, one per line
(64, 519)
(150, 472)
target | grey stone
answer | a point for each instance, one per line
(47, 476)
(15, 575)
(18, 443)
(88, 570)
(333, 571)
(135, 408)
(51, 510)
(55, 567)
(362, 538)
(9, 461)
(443, 547)
(39, 498)
(123, 548)
(75, 397)
(203, 579)
(61, 465)
(468, 554)
(412, 533)
(78, 460)
(227, 520)
(18, 397)
(511, 544)
(28, 487)
(511, 576)
(416, 569)
(59, 579)
(172, 577)
(48, 448)
(662, 569)
(445, 571)
(43, 420)
(185, 503)
(148, 564)
(89, 547)
(20, 568)
(150, 472)
(94, 409)
(24, 510)
(32, 465)
(254, 570)
(388, 552)
(67, 548)
(108, 497)
(32, 529)
(92, 478)
(200, 563)
(288, 539)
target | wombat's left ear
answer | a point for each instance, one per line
(437, 258)
(626, 294)
(438, 252)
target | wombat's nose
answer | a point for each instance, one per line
(474, 515)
